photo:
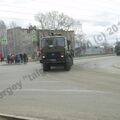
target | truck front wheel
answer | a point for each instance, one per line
(46, 67)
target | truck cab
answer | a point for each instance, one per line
(55, 51)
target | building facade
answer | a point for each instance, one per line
(21, 40)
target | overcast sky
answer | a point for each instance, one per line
(95, 16)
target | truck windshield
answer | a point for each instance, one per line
(57, 41)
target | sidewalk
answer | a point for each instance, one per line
(2, 63)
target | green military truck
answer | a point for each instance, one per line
(117, 48)
(56, 51)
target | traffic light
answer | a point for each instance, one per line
(34, 35)
(4, 40)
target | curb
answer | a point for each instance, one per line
(93, 56)
(15, 117)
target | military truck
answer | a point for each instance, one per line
(117, 48)
(56, 51)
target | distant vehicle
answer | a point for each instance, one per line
(55, 51)
(117, 48)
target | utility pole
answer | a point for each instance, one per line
(35, 39)
(14, 40)
(4, 45)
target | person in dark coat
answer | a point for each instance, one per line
(8, 58)
(21, 58)
(25, 58)
(17, 58)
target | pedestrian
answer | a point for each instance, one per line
(25, 58)
(21, 58)
(8, 58)
(17, 58)
(1, 57)
(12, 58)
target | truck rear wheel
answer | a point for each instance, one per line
(118, 54)
(67, 67)
(72, 61)
(68, 64)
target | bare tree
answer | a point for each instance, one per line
(54, 21)
(3, 36)
(12, 24)
(3, 29)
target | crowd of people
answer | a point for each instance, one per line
(18, 58)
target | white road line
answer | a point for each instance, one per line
(9, 116)
(63, 90)
(52, 81)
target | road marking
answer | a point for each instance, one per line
(63, 90)
(15, 117)
(52, 81)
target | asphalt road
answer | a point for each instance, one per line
(90, 91)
